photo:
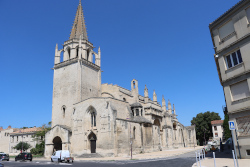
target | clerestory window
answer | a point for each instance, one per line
(233, 59)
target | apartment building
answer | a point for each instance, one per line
(231, 40)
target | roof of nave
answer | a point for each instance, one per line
(79, 27)
(217, 122)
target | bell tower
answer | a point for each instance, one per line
(78, 76)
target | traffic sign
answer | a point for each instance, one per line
(231, 125)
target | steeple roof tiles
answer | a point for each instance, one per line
(79, 27)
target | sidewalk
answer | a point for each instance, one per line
(152, 155)
(222, 159)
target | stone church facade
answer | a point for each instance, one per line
(90, 117)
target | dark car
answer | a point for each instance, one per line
(24, 156)
(4, 156)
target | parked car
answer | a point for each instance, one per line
(24, 156)
(62, 155)
(4, 156)
(1, 165)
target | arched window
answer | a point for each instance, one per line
(137, 112)
(93, 119)
(141, 112)
(77, 51)
(134, 84)
(68, 50)
(63, 111)
(93, 58)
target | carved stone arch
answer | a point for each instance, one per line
(92, 141)
(157, 122)
(57, 142)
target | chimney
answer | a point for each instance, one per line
(9, 127)
(1, 128)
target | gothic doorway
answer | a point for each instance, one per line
(57, 143)
(92, 140)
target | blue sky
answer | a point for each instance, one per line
(163, 44)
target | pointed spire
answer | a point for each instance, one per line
(174, 109)
(79, 27)
(154, 97)
(163, 101)
(169, 107)
(145, 91)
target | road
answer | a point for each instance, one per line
(184, 160)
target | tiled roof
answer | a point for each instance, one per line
(217, 122)
(27, 130)
(229, 10)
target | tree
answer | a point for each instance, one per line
(23, 145)
(203, 126)
(227, 132)
(40, 137)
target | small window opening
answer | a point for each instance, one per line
(64, 112)
(134, 84)
(248, 152)
(137, 112)
(93, 119)
(141, 112)
(133, 113)
(215, 127)
(69, 52)
(124, 99)
(93, 58)
(77, 51)
(134, 132)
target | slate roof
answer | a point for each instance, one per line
(217, 122)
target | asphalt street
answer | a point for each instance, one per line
(184, 160)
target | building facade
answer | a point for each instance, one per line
(10, 137)
(90, 117)
(217, 130)
(231, 39)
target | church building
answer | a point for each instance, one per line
(91, 117)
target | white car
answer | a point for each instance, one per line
(61, 155)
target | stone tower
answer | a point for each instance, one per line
(78, 75)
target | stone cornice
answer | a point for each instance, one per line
(74, 60)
